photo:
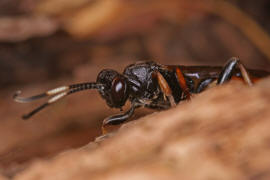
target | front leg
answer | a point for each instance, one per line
(119, 118)
(228, 70)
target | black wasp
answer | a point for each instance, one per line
(151, 85)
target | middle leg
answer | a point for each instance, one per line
(165, 88)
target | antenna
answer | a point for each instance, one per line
(56, 93)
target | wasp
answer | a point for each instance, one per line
(151, 85)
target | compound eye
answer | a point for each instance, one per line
(119, 91)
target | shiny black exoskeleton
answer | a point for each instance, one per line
(152, 85)
(138, 84)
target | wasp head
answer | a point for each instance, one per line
(115, 88)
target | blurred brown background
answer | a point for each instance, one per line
(48, 43)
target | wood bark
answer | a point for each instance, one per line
(223, 133)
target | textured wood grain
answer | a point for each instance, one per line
(222, 133)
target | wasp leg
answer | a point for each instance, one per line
(165, 88)
(182, 82)
(228, 70)
(119, 118)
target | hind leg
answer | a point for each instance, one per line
(228, 70)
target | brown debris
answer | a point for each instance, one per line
(3, 178)
(221, 134)
(21, 28)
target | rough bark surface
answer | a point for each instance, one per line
(223, 133)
